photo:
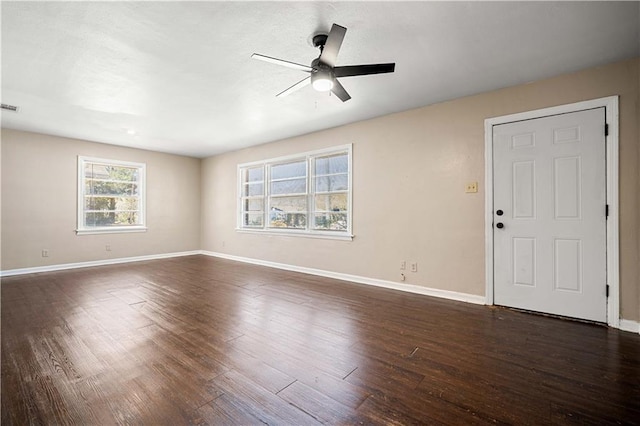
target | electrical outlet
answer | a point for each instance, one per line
(414, 267)
(471, 187)
(107, 247)
(403, 265)
(45, 253)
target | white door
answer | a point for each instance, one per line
(550, 215)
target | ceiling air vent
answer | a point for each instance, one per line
(8, 107)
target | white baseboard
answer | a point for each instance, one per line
(445, 294)
(628, 325)
(50, 268)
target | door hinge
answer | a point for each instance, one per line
(606, 210)
(607, 290)
(606, 129)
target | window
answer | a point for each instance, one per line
(307, 194)
(110, 196)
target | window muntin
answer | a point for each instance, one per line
(303, 194)
(110, 196)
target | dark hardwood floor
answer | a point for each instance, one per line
(199, 340)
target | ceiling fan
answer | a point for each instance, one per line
(323, 69)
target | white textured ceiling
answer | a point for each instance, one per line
(178, 77)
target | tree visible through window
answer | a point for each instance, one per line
(110, 195)
(307, 193)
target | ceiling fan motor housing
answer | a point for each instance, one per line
(317, 65)
(319, 40)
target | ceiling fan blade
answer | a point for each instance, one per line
(299, 85)
(281, 62)
(353, 70)
(339, 91)
(332, 46)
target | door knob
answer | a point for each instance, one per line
(499, 225)
(499, 212)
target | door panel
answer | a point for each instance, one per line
(566, 187)
(524, 191)
(567, 265)
(524, 261)
(550, 248)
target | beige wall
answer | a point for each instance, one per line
(409, 173)
(39, 190)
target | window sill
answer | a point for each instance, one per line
(293, 233)
(122, 230)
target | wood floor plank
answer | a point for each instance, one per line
(223, 412)
(275, 372)
(382, 377)
(205, 341)
(318, 405)
(378, 410)
(248, 397)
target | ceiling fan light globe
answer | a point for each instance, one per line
(322, 84)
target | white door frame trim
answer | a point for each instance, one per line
(613, 256)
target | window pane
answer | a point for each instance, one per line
(253, 220)
(254, 174)
(289, 204)
(97, 171)
(289, 170)
(331, 203)
(97, 187)
(332, 164)
(126, 218)
(287, 220)
(332, 183)
(110, 203)
(253, 189)
(288, 212)
(253, 204)
(331, 221)
(294, 186)
(100, 203)
(107, 172)
(107, 218)
(123, 173)
(111, 218)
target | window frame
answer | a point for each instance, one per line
(310, 194)
(82, 229)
